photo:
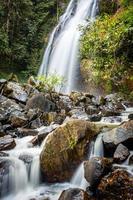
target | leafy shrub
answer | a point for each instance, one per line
(49, 83)
(108, 43)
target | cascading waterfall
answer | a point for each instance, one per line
(62, 53)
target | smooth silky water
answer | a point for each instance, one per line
(62, 53)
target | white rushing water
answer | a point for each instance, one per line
(96, 150)
(22, 180)
(62, 53)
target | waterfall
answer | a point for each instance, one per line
(96, 150)
(62, 53)
(98, 147)
(22, 168)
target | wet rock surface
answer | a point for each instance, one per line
(39, 101)
(122, 134)
(7, 143)
(15, 91)
(121, 153)
(95, 169)
(75, 193)
(117, 185)
(64, 125)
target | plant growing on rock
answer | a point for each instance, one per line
(49, 83)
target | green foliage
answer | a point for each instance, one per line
(126, 3)
(49, 83)
(24, 30)
(109, 46)
(108, 6)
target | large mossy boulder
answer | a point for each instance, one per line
(65, 148)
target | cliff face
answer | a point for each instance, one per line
(107, 48)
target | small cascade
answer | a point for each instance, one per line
(96, 150)
(24, 167)
(78, 179)
(35, 171)
(118, 119)
(61, 55)
(98, 147)
(18, 177)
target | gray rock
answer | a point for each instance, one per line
(15, 90)
(18, 120)
(26, 132)
(95, 168)
(131, 160)
(36, 123)
(121, 153)
(121, 134)
(8, 107)
(130, 116)
(78, 113)
(74, 194)
(26, 158)
(7, 143)
(39, 101)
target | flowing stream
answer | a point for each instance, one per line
(61, 56)
(23, 181)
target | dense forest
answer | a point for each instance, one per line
(25, 26)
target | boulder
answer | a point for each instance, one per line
(8, 107)
(3, 154)
(95, 117)
(26, 158)
(36, 123)
(65, 103)
(2, 83)
(7, 143)
(91, 109)
(117, 185)
(65, 148)
(2, 132)
(45, 130)
(131, 160)
(95, 169)
(74, 194)
(121, 153)
(15, 91)
(18, 120)
(130, 116)
(39, 101)
(122, 134)
(78, 113)
(26, 132)
(48, 117)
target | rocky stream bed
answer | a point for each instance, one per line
(64, 147)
